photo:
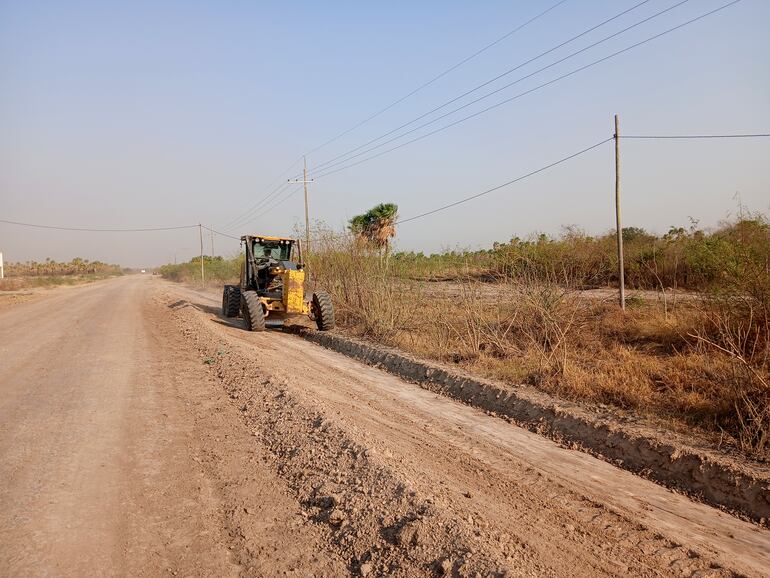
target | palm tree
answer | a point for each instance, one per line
(377, 226)
(383, 225)
(360, 228)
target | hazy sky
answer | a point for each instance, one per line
(145, 114)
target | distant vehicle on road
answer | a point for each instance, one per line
(143, 271)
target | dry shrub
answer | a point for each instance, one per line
(12, 284)
(702, 364)
(736, 327)
(550, 315)
(365, 296)
(646, 328)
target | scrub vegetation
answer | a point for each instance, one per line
(215, 269)
(692, 351)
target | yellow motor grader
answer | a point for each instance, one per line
(272, 286)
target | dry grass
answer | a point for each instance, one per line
(28, 282)
(702, 364)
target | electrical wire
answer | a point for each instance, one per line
(279, 203)
(246, 216)
(506, 184)
(695, 136)
(498, 77)
(96, 230)
(220, 233)
(230, 224)
(557, 79)
(235, 222)
(512, 98)
(438, 77)
(330, 164)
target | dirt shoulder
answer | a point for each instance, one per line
(264, 528)
(726, 480)
(683, 460)
(410, 483)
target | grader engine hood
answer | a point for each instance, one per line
(293, 291)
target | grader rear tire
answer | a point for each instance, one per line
(323, 311)
(253, 314)
(231, 300)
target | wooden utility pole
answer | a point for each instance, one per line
(200, 234)
(618, 225)
(212, 243)
(305, 182)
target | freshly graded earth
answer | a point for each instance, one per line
(142, 434)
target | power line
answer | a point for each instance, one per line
(95, 230)
(220, 233)
(245, 216)
(435, 78)
(279, 203)
(506, 184)
(330, 164)
(261, 202)
(696, 136)
(256, 205)
(498, 77)
(505, 101)
(512, 98)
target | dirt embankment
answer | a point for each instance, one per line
(407, 483)
(721, 480)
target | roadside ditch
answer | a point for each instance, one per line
(725, 481)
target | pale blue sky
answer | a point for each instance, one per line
(169, 113)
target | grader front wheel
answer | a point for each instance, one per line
(323, 310)
(253, 314)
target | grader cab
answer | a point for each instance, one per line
(273, 286)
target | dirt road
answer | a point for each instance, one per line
(142, 434)
(107, 428)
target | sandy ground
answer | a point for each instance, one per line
(142, 434)
(492, 292)
(12, 298)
